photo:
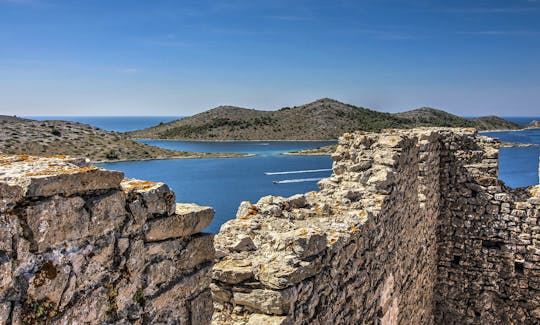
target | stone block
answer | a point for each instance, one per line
(265, 301)
(56, 220)
(232, 271)
(188, 219)
(49, 176)
(262, 319)
(155, 198)
(107, 212)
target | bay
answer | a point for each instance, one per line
(225, 182)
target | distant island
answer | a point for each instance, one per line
(47, 138)
(533, 125)
(324, 119)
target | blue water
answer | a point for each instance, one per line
(251, 147)
(224, 183)
(113, 123)
(530, 136)
(521, 120)
(518, 167)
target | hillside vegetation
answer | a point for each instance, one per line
(323, 119)
(24, 136)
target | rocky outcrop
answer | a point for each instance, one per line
(79, 244)
(412, 227)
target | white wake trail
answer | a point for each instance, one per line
(299, 171)
(299, 180)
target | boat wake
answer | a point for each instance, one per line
(299, 180)
(299, 171)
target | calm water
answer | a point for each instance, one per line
(522, 120)
(224, 183)
(113, 123)
(518, 166)
(252, 147)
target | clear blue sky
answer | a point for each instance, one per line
(152, 57)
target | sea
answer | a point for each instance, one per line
(224, 183)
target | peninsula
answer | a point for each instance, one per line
(47, 138)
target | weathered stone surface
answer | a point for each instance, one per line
(201, 308)
(49, 282)
(155, 198)
(56, 220)
(187, 220)
(262, 319)
(233, 271)
(5, 308)
(73, 249)
(260, 300)
(48, 176)
(176, 296)
(413, 227)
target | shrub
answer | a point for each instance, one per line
(56, 132)
(111, 155)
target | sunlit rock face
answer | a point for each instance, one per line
(80, 244)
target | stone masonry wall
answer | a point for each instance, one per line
(412, 227)
(361, 250)
(489, 240)
(79, 244)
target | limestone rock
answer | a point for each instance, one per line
(232, 271)
(42, 177)
(73, 249)
(156, 198)
(187, 220)
(266, 301)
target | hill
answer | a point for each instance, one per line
(46, 138)
(320, 120)
(427, 116)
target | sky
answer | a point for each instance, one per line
(141, 57)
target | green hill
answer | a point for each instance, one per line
(320, 120)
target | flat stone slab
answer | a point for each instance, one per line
(187, 220)
(34, 176)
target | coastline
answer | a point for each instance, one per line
(509, 130)
(262, 140)
(217, 156)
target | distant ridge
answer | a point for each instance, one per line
(25, 136)
(323, 119)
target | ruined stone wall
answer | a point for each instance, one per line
(412, 227)
(489, 240)
(80, 244)
(361, 250)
